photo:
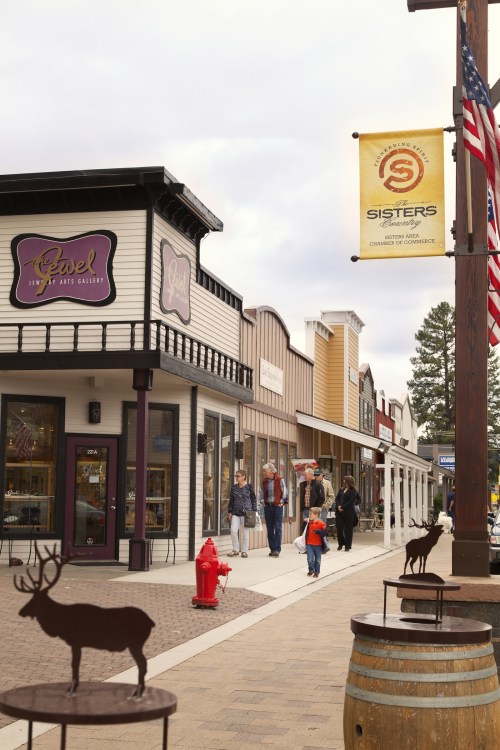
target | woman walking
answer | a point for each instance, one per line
(345, 513)
(241, 498)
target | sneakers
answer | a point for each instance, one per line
(244, 554)
(274, 554)
(315, 575)
(310, 573)
(233, 553)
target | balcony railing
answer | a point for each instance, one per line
(120, 336)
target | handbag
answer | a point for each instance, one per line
(250, 519)
(300, 541)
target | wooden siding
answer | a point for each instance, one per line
(267, 339)
(212, 321)
(336, 380)
(353, 388)
(321, 376)
(128, 267)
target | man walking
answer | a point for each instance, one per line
(274, 497)
(320, 476)
(311, 494)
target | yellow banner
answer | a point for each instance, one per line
(402, 194)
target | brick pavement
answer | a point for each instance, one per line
(29, 656)
(278, 684)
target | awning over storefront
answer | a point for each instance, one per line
(395, 452)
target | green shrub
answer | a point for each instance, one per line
(437, 504)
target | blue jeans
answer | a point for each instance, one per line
(313, 557)
(274, 523)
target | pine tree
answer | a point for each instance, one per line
(432, 387)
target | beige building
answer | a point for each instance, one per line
(283, 385)
(121, 382)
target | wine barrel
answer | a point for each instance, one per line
(414, 684)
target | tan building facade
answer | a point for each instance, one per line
(283, 385)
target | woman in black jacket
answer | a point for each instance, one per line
(345, 513)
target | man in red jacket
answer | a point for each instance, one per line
(274, 497)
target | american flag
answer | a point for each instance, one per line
(22, 439)
(493, 279)
(482, 138)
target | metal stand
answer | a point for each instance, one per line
(93, 703)
(438, 587)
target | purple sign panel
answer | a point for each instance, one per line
(78, 268)
(175, 282)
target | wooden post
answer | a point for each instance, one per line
(470, 555)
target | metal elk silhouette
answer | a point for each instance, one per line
(418, 549)
(85, 625)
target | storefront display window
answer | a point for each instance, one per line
(210, 474)
(30, 464)
(249, 457)
(282, 467)
(273, 454)
(261, 456)
(227, 470)
(161, 485)
(291, 481)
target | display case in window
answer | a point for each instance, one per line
(158, 502)
(29, 496)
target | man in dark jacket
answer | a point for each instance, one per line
(311, 494)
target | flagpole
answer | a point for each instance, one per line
(468, 190)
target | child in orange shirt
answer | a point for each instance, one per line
(313, 542)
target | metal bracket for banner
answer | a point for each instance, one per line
(475, 249)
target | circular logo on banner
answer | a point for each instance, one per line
(401, 170)
(90, 540)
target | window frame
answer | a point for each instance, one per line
(59, 458)
(122, 471)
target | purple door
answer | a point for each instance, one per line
(90, 526)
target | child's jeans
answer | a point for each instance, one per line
(313, 557)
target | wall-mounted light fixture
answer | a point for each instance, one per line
(238, 449)
(202, 442)
(404, 442)
(383, 447)
(94, 412)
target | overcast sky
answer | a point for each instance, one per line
(250, 103)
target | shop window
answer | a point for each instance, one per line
(31, 430)
(261, 457)
(210, 474)
(291, 481)
(273, 454)
(227, 471)
(282, 467)
(249, 457)
(161, 479)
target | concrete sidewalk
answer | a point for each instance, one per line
(272, 675)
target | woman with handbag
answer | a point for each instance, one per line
(241, 499)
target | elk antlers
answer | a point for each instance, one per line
(423, 525)
(36, 585)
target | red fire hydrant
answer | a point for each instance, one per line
(208, 570)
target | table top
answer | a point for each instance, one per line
(93, 703)
(427, 584)
(409, 628)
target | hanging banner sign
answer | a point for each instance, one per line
(402, 194)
